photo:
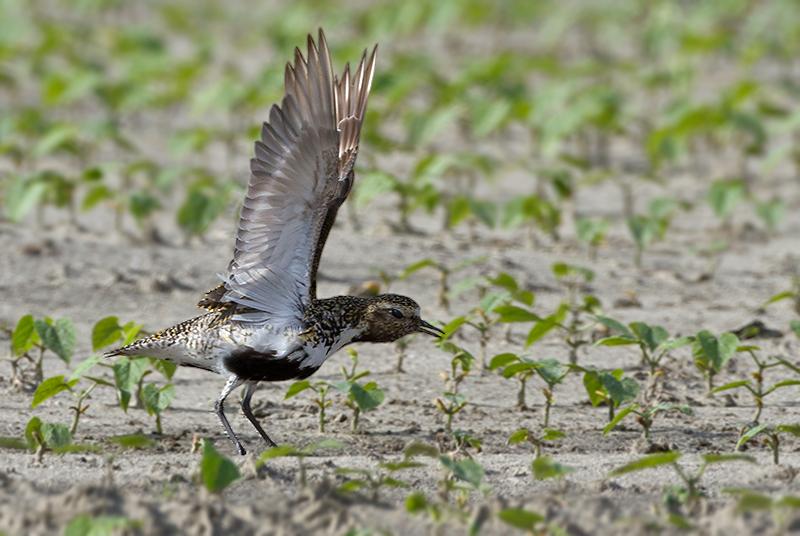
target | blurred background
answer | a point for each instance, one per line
(482, 113)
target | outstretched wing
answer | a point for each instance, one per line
(302, 172)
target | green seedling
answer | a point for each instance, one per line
(793, 295)
(288, 451)
(216, 471)
(57, 384)
(320, 389)
(373, 481)
(460, 478)
(650, 227)
(575, 330)
(783, 508)
(451, 402)
(653, 341)
(608, 387)
(545, 468)
(401, 346)
(86, 525)
(360, 397)
(711, 353)
(568, 318)
(551, 371)
(41, 437)
(156, 399)
(31, 338)
(524, 435)
(445, 273)
(522, 519)
(755, 386)
(771, 435)
(645, 415)
(690, 491)
(724, 196)
(592, 232)
(771, 212)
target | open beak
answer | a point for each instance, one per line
(429, 329)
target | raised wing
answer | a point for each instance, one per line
(302, 172)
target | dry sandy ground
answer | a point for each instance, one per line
(86, 277)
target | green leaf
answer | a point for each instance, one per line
(780, 296)
(50, 388)
(164, 367)
(58, 337)
(296, 388)
(544, 467)
(14, 443)
(552, 434)
(724, 458)
(647, 462)
(127, 373)
(24, 336)
(620, 415)
(751, 433)
(416, 502)
(793, 429)
(56, 435)
(724, 195)
(552, 371)
(106, 332)
(157, 399)
(519, 436)
(84, 367)
(520, 518)
(415, 448)
(541, 328)
(616, 341)
(368, 397)
(33, 433)
(502, 360)
(467, 470)
(511, 313)
(731, 385)
(620, 391)
(22, 195)
(615, 326)
(216, 471)
(132, 441)
(86, 525)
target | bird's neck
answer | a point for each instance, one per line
(336, 321)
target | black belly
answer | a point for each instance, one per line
(250, 365)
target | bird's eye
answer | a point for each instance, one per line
(396, 313)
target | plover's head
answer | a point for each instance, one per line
(390, 316)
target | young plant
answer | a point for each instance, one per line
(320, 389)
(608, 387)
(792, 294)
(551, 371)
(445, 272)
(31, 338)
(645, 415)
(755, 386)
(771, 435)
(653, 341)
(216, 471)
(452, 401)
(524, 435)
(690, 491)
(373, 481)
(288, 451)
(360, 397)
(711, 353)
(650, 227)
(459, 479)
(591, 232)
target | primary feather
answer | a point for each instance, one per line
(302, 172)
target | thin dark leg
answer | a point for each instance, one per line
(249, 389)
(219, 407)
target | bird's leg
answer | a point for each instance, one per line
(249, 389)
(219, 407)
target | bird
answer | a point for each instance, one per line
(264, 321)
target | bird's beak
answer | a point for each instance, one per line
(429, 329)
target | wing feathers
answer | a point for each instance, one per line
(301, 174)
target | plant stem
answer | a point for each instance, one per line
(521, 393)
